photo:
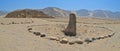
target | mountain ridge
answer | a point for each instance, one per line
(58, 12)
(3, 13)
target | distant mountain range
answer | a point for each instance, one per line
(98, 13)
(2, 13)
(57, 12)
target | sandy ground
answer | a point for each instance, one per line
(14, 35)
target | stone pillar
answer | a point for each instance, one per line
(71, 28)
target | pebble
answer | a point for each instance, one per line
(98, 38)
(101, 37)
(109, 35)
(71, 42)
(29, 28)
(93, 38)
(79, 41)
(54, 38)
(42, 35)
(36, 33)
(64, 41)
(88, 40)
(105, 36)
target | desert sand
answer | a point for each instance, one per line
(14, 34)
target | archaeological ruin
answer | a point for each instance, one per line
(71, 28)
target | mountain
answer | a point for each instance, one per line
(106, 14)
(3, 13)
(82, 12)
(57, 12)
(27, 13)
(98, 13)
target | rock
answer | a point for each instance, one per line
(98, 38)
(42, 35)
(2, 23)
(36, 33)
(71, 42)
(79, 41)
(29, 28)
(57, 39)
(105, 36)
(54, 38)
(64, 41)
(101, 37)
(109, 35)
(88, 40)
(13, 22)
(93, 38)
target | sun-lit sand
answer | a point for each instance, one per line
(14, 34)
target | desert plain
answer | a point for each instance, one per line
(14, 34)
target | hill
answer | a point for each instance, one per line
(57, 12)
(27, 13)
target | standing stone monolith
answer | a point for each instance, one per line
(71, 28)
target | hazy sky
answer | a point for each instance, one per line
(9, 5)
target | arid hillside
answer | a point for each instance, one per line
(27, 13)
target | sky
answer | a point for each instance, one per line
(10, 5)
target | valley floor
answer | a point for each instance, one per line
(14, 35)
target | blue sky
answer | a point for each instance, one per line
(9, 5)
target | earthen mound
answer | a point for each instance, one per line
(27, 13)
